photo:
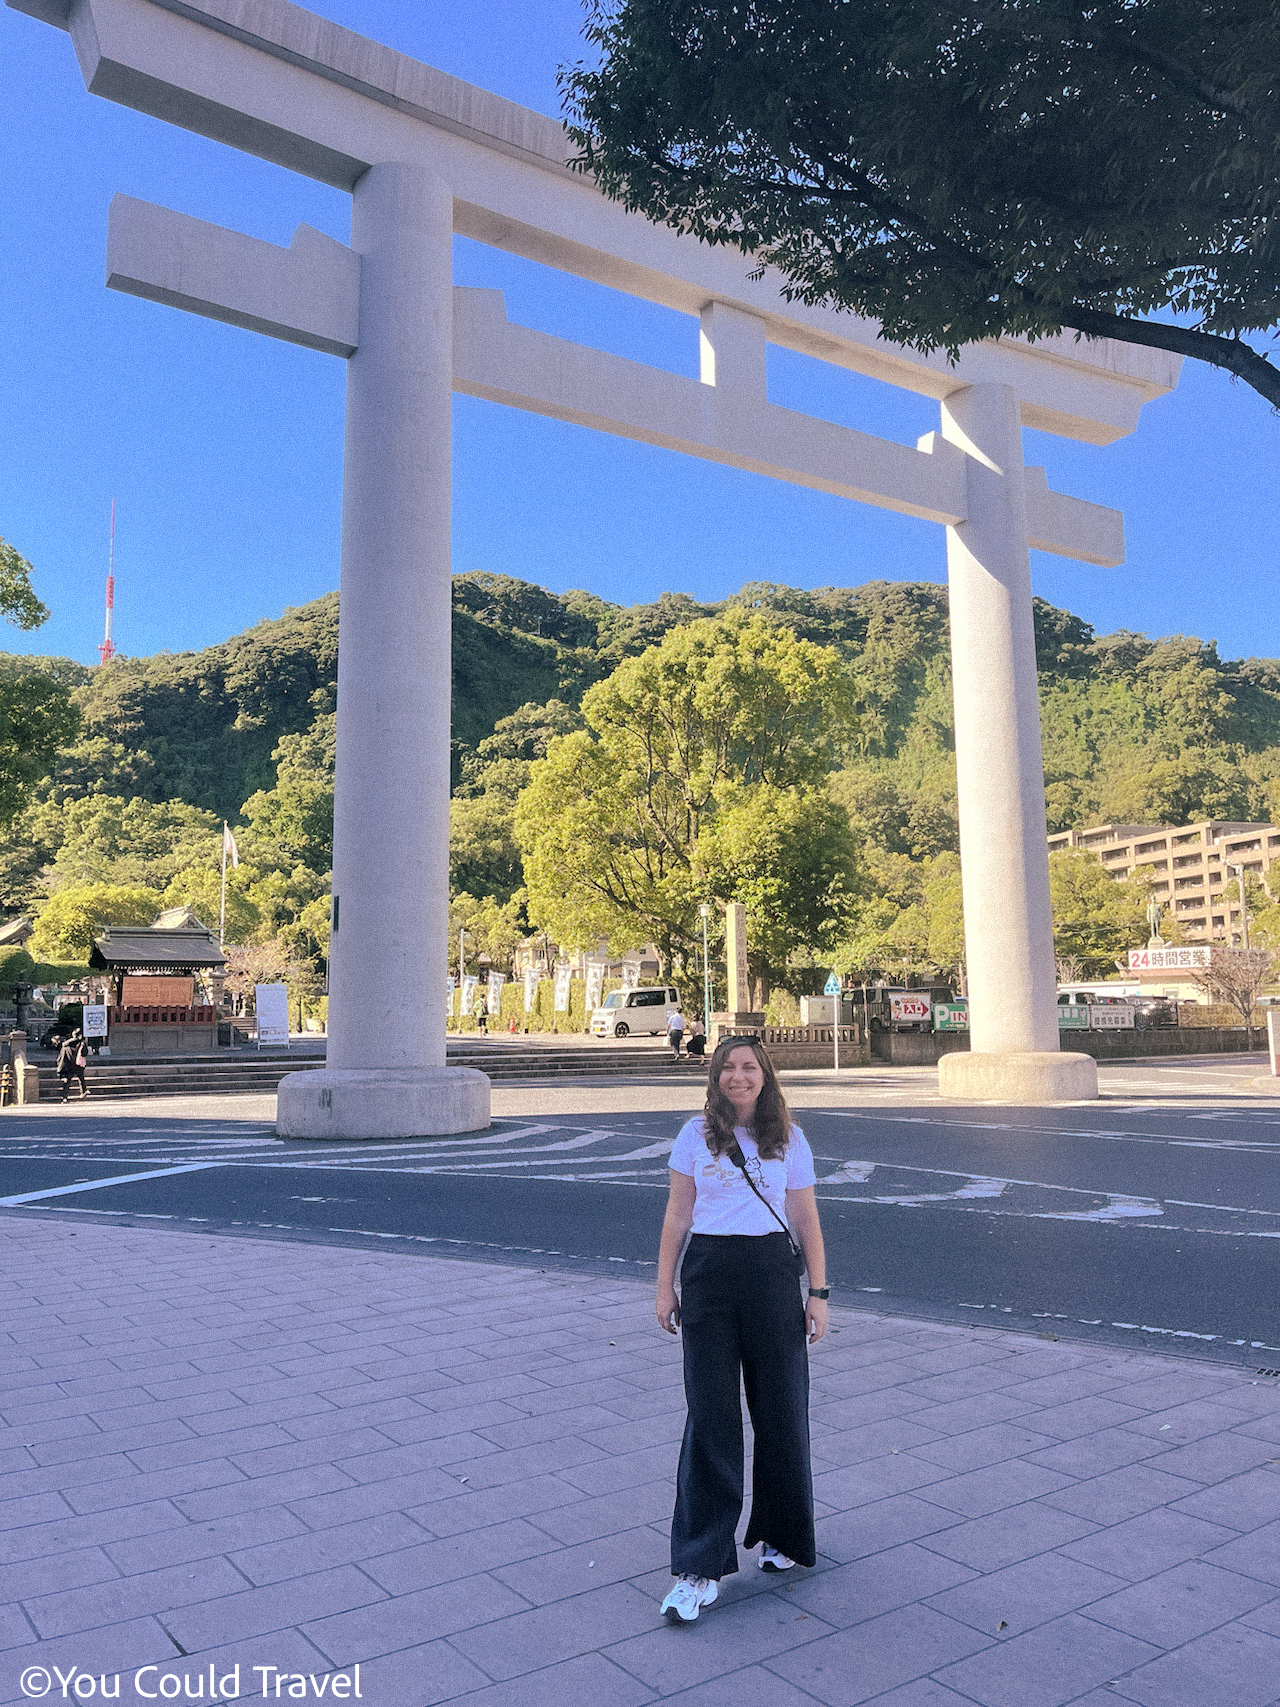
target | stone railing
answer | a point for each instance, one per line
(805, 1034)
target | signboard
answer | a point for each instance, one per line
(1106, 1018)
(595, 984)
(832, 987)
(951, 1016)
(95, 1021)
(532, 979)
(272, 1004)
(1168, 959)
(1073, 1017)
(564, 977)
(496, 981)
(910, 1007)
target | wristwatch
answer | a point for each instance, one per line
(823, 1292)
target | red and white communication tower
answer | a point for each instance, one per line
(108, 647)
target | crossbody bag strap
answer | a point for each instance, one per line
(739, 1161)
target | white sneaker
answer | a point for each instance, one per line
(687, 1598)
(771, 1560)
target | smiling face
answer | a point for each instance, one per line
(742, 1080)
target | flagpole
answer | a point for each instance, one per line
(222, 908)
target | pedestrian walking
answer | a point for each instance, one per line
(740, 1172)
(675, 1031)
(73, 1058)
(696, 1046)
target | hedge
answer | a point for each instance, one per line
(543, 1018)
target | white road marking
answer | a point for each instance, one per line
(101, 1184)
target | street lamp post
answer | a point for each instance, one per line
(1244, 906)
(705, 911)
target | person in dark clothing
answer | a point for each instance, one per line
(740, 1173)
(696, 1044)
(73, 1058)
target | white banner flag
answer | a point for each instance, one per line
(532, 979)
(564, 977)
(468, 994)
(496, 981)
(630, 976)
(595, 983)
(449, 1009)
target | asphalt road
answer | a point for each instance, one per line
(1150, 1223)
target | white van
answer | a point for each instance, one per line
(641, 1012)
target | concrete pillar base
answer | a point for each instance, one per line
(1045, 1076)
(382, 1102)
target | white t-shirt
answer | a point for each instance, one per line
(723, 1201)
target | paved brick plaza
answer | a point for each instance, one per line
(460, 1475)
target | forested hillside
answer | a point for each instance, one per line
(1134, 730)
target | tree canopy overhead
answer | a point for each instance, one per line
(958, 169)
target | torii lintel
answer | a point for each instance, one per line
(308, 294)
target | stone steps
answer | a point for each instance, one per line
(222, 1075)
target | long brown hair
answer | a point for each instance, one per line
(771, 1123)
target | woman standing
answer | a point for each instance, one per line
(739, 1173)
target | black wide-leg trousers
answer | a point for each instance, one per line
(743, 1325)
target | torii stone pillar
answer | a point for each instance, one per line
(1013, 1041)
(385, 1074)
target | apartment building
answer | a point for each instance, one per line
(1187, 865)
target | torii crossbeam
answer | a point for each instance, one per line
(425, 155)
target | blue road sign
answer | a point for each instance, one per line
(832, 987)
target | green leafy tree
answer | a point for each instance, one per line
(292, 823)
(1096, 919)
(786, 854)
(71, 919)
(132, 842)
(200, 888)
(962, 169)
(484, 856)
(307, 939)
(37, 718)
(18, 601)
(494, 928)
(910, 921)
(1264, 925)
(612, 816)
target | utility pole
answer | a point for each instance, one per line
(1244, 906)
(705, 911)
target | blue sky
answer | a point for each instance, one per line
(224, 448)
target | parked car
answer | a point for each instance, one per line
(1150, 1011)
(642, 1011)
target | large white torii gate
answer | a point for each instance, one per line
(425, 155)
